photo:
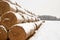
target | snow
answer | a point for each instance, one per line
(50, 30)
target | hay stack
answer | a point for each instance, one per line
(22, 31)
(12, 14)
(10, 18)
(3, 33)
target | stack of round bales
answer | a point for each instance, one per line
(18, 24)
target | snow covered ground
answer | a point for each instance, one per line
(50, 30)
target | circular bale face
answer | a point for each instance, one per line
(3, 34)
(8, 19)
(17, 33)
(4, 7)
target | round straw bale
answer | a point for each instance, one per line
(12, 7)
(4, 7)
(17, 33)
(10, 18)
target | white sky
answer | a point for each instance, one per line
(42, 7)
